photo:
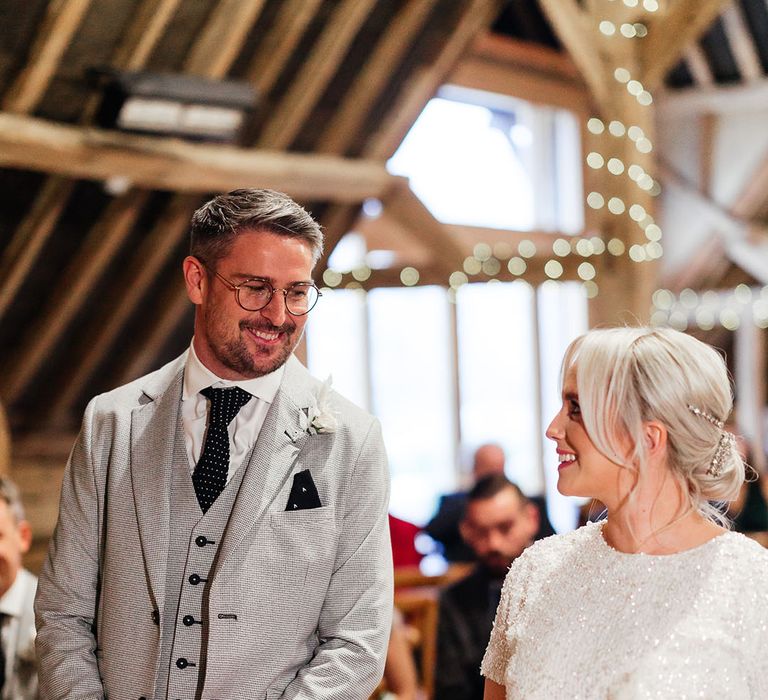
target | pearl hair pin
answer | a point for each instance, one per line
(725, 444)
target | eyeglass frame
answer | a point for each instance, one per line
(236, 289)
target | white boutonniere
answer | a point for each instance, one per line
(319, 419)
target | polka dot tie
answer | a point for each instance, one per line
(210, 475)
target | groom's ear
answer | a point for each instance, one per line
(195, 279)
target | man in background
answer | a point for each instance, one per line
(444, 526)
(18, 666)
(498, 524)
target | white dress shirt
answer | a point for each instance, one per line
(18, 636)
(243, 430)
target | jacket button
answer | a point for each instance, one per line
(201, 541)
(188, 620)
(155, 619)
(182, 663)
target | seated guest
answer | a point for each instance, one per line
(444, 526)
(499, 523)
(18, 667)
(403, 536)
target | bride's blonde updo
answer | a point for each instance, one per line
(626, 376)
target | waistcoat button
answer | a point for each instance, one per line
(201, 541)
(188, 620)
(182, 663)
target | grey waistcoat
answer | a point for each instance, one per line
(193, 544)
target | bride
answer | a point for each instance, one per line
(660, 600)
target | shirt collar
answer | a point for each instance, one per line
(197, 376)
(12, 603)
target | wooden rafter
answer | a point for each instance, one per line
(30, 237)
(150, 21)
(729, 99)
(477, 16)
(281, 41)
(753, 199)
(222, 38)
(149, 259)
(158, 163)
(71, 291)
(671, 32)
(741, 43)
(573, 26)
(402, 205)
(61, 21)
(335, 222)
(373, 76)
(172, 304)
(696, 60)
(315, 74)
(524, 70)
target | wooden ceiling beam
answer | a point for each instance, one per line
(732, 99)
(172, 304)
(150, 257)
(222, 38)
(149, 23)
(171, 164)
(218, 46)
(374, 75)
(522, 70)
(741, 43)
(151, 18)
(316, 73)
(671, 32)
(61, 21)
(280, 43)
(574, 27)
(335, 222)
(30, 237)
(425, 81)
(402, 205)
(753, 199)
(697, 64)
(71, 291)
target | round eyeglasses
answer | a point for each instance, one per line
(256, 293)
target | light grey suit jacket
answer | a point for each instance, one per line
(311, 589)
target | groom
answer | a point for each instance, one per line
(223, 523)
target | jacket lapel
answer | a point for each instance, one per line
(277, 448)
(154, 427)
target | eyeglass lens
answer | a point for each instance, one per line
(256, 294)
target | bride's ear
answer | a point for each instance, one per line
(655, 435)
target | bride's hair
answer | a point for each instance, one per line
(627, 376)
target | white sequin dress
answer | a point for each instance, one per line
(580, 620)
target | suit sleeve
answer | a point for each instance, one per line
(356, 617)
(67, 594)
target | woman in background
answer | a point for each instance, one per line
(660, 599)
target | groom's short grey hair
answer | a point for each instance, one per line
(218, 222)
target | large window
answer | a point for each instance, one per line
(447, 372)
(439, 375)
(488, 160)
(498, 377)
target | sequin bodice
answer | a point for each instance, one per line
(579, 620)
